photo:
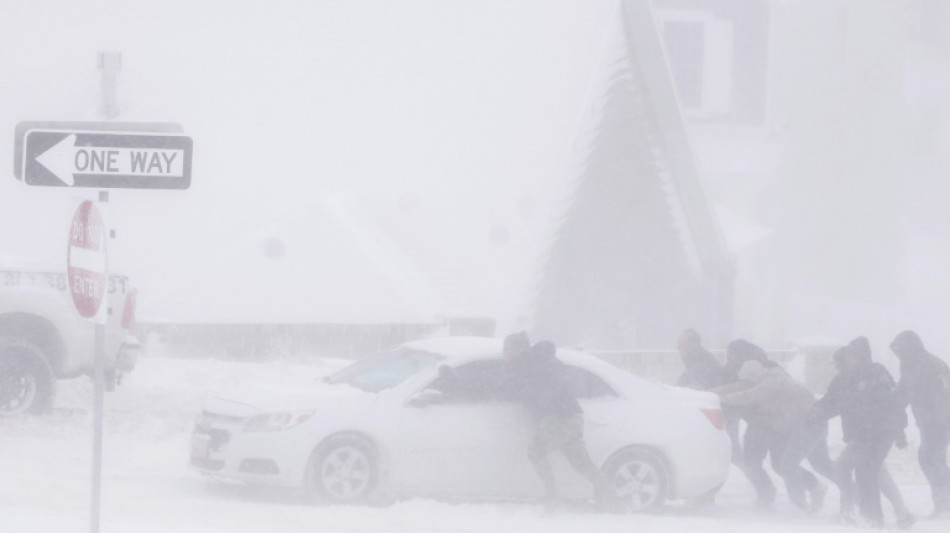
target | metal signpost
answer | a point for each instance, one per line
(87, 277)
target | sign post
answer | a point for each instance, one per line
(87, 276)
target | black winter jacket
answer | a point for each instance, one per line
(702, 372)
(866, 399)
(924, 383)
(539, 384)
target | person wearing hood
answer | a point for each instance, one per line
(925, 386)
(758, 440)
(864, 395)
(786, 404)
(701, 370)
(539, 384)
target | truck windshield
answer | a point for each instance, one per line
(385, 370)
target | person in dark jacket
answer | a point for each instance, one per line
(702, 370)
(540, 386)
(864, 395)
(925, 386)
(516, 344)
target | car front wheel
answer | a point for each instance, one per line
(342, 470)
(639, 479)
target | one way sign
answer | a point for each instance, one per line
(105, 160)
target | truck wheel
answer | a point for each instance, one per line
(26, 379)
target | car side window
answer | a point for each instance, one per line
(585, 384)
(475, 382)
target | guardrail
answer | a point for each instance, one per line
(813, 367)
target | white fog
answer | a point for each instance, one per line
(604, 174)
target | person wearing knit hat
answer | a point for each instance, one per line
(700, 369)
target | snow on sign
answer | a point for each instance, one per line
(86, 259)
(102, 160)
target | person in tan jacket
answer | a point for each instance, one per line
(787, 406)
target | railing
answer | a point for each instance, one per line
(665, 366)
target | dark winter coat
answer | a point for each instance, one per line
(702, 372)
(924, 382)
(538, 381)
(739, 351)
(866, 400)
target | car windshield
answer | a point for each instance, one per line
(385, 370)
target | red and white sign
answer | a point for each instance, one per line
(86, 259)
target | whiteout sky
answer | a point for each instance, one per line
(460, 115)
(381, 161)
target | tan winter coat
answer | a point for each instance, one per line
(784, 402)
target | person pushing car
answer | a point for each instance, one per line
(538, 384)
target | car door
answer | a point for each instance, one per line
(604, 414)
(459, 435)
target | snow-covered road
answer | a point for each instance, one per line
(45, 463)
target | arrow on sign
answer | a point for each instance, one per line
(65, 160)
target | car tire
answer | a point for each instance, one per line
(342, 470)
(639, 478)
(27, 383)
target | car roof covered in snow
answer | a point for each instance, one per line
(457, 347)
(460, 350)
(464, 348)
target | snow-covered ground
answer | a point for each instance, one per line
(45, 463)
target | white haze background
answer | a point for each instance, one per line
(450, 128)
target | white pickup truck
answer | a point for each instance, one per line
(43, 338)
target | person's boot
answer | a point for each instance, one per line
(816, 497)
(607, 498)
(551, 501)
(941, 504)
(905, 520)
(765, 498)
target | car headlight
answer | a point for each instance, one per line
(277, 421)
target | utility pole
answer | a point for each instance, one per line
(110, 63)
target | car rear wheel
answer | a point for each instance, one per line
(27, 383)
(342, 470)
(639, 478)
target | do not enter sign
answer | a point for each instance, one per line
(86, 259)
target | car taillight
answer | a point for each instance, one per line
(128, 315)
(715, 417)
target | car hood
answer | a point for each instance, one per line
(260, 399)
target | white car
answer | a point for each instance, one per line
(387, 425)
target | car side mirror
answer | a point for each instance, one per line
(426, 398)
